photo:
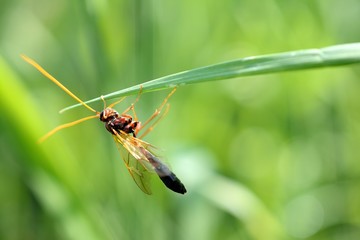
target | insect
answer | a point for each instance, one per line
(138, 155)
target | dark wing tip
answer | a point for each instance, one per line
(173, 183)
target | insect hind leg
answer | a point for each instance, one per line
(157, 114)
(152, 126)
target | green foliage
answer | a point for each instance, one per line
(297, 60)
(272, 156)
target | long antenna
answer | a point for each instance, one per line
(49, 76)
(66, 125)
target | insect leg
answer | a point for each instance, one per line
(151, 127)
(131, 107)
(155, 114)
(113, 104)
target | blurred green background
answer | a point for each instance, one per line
(266, 157)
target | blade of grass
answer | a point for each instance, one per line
(296, 60)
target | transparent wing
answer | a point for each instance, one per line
(140, 160)
(136, 163)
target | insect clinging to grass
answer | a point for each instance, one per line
(138, 155)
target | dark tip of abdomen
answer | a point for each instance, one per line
(173, 183)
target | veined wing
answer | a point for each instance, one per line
(140, 156)
(165, 174)
(137, 165)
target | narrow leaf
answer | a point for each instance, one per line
(296, 60)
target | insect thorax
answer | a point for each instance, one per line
(108, 114)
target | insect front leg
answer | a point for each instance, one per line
(133, 104)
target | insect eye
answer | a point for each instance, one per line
(102, 115)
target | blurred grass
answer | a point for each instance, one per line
(280, 62)
(268, 157)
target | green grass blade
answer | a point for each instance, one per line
(296, 60)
